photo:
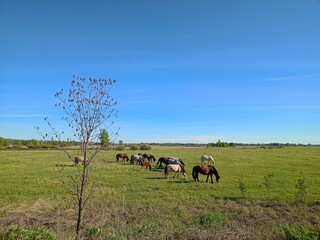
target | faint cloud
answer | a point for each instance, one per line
(21, 115)
(288, 78)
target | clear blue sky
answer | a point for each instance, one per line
(186, 71)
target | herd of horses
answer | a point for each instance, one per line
(173, 164)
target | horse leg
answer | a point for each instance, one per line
(207, 178)
(211, 178)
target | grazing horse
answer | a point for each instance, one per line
(170, 160)
(78, 159)
(205, 170)
(175, 160)
(174, 168)
(149, 156)
(146, 164)
(124, 156)
(162, 160)
(138, 158)
(209, 158)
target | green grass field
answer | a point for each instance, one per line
(130, 203)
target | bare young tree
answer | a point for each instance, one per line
(88, 110)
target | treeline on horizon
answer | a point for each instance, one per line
(7, 143)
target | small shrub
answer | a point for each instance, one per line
(120, 148)
(242, 188)
(145, 147)
(134, 147)
(212, 218)
(300, 233)
(267, 183)
(93, 232)
(17, 232)
(301, 188)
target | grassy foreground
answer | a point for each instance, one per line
(262, 194)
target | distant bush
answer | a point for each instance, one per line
(120, 148)
(145, 147)
(134, 147)
(28, 233)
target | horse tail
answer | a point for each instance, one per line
(194, 173)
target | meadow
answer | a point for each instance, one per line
(263, 193)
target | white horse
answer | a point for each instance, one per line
(78, 159)
(138, 158)
(176, 168)
(209, 158)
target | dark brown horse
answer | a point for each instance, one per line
(162, 160)
(149, 156)
(205, 170)
(124, 156)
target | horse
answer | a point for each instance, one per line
(205, 170)
(124, 156)
(176, 169)
(209, 158)
(78, 159)
(138, 158)
(170, 160)
(146, 164)
(162, 160)
(175, 160)
(149, 156)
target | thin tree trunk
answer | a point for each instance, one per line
(80, 199)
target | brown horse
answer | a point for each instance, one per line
(124, 156)
(162, 160)
(205, 170)
(146, 164)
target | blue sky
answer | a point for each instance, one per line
(186, 71)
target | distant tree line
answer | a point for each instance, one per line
(6, 143)
(30, 144)
(221, 144)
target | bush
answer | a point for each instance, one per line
(134, 147)
(120, 148)
(17, 232)
(145, 147)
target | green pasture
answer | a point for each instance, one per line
(32, 175)
(27, 177)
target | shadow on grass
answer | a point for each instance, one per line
(65, 165)
(154, 178)
(236, 199)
